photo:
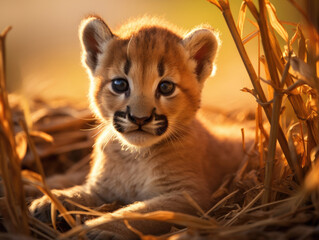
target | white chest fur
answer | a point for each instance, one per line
(119, 174)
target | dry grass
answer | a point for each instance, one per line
(275, 192)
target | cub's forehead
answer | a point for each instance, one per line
(151, 43)
(151, 37)
(150, 50)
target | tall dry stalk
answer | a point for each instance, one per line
(276, 68)
(13, 207)
(14, 212)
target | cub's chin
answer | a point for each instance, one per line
(139, 139)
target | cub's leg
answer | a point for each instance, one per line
(41, 207)
(174, 201)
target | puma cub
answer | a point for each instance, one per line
(146, 83)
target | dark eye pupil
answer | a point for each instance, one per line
(120, 85)
(166, 88)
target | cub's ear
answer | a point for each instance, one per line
(202, 45)
(94, 34)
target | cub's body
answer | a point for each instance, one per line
(195, 165)
(146, 83)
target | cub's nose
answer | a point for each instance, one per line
(139, 120)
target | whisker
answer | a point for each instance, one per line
(110, 136)
(94, 135)
(176, 132)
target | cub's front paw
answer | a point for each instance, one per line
(97, 234)
(41, 209)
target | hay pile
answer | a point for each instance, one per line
(273, 195)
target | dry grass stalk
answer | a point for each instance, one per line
(16, 220)
(167, 216)
(250, 69)
(43, 187)
(274, 64)
(231, 221)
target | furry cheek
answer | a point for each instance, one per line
(107, 103)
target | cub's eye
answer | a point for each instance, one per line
(166, 88)
(120, 85)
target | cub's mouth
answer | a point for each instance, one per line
(128, 124)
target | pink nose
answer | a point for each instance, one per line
(139, 120)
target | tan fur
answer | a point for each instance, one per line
(148, 171)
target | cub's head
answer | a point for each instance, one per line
(146, 79)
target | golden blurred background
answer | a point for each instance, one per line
(43, 50)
